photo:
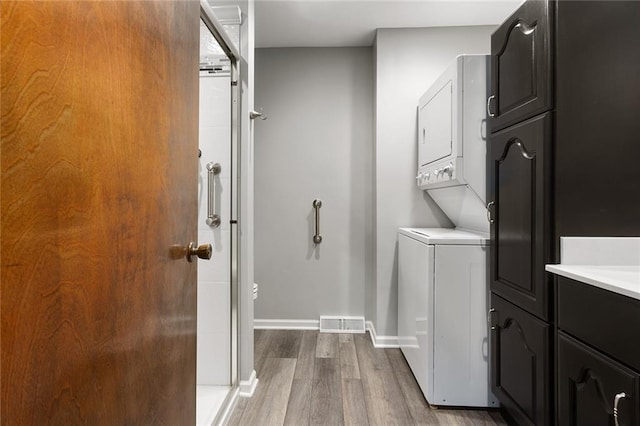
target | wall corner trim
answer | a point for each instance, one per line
(381, 341)
(247, 387)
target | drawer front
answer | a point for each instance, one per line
(588, 383)
(607, 321)
(520, 361)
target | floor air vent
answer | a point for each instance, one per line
(329, 324)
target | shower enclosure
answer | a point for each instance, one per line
(217, 366)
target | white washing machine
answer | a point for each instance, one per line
(442, 308)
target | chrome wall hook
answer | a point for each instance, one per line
(257, 114)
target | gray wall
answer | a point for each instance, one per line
(316, 143)
(407, 62)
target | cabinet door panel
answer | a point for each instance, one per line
(520, 375)
(519, 183)
(598, 112)
(588, 383)
(521, 66)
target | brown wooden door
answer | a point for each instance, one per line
(521, 81)
(99, 175)
(520, 186)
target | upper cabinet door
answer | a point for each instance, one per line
(519, 176)
(521, 66)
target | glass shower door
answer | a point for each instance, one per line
(217, 280)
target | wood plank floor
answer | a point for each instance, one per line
(312, 378)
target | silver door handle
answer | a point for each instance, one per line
(213, 219)
(317, 238)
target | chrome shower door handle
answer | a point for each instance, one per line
(213, 219)
(317, 238)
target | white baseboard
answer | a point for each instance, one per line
(269, 324)
(247, 387)
(277, 324)
(225, 414)
(342, 324)
(381, 341)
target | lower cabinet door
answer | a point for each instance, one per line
(520, 360)
(588, 384)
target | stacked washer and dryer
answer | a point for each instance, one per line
(443, 272)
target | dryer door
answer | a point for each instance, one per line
(435, 126)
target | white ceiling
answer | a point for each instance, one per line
(341, 23)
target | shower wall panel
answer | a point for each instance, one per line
(213, 357)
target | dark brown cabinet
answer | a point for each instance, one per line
(564, 114)
(519, 167)
(598, 355)
(589, 383)
(520, 214)
(521, 66)
(520, 363)
(597, 118)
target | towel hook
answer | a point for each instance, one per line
(257, 114)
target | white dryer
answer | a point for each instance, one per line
(452, 143)
(442, 302)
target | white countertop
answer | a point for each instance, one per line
(619, 279)
(609, 263)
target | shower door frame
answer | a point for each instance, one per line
(218, 32)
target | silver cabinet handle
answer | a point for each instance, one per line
(491, 311)
(616, 400)
(213, 219)
(489, 216)
(526, 29)
(317, 238)
(489, 113)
